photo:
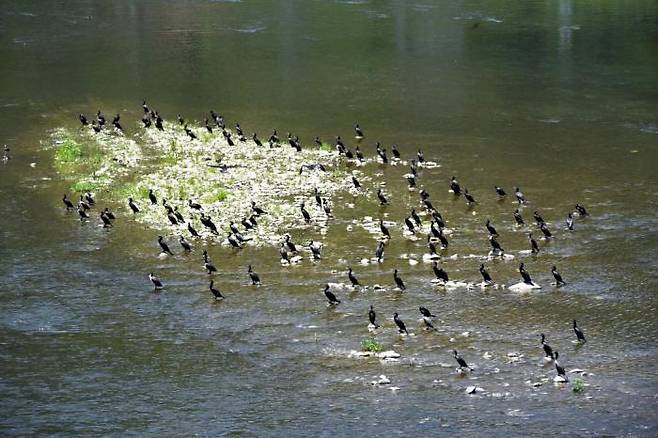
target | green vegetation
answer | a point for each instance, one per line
(327, 147)
(85, 185)
(371, 345)
(67, 152)
(578, 386)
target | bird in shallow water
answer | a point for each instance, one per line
(208, 223)
(395, 151)
(305, 213)
(579, 333)
(470, 200)
(356, 183)
(358, 132)
(518, 218)
(461, 362)
(83, 214)
(290, 244)
(190, 133)
(538, 218)
(109, 214)
(486, 278)
(107, 223)
(439, 273)
(207, 265)
(425, 312)
(495, 246)
(384, 229)
(421, 156)
(157, 284)
(164, 246)
(67, 202)
(455, 187)
(192, 230)
(500, 192)
(520, 197)
(379, 252)
(548, 351)
(525, 275)
(185, 244)
(569, 222)
(558, 368)
(352, 277)
(558, 278)
(216, 293)
(372, 317)
(544, 229)
(402, 329)
(333, 301)
(83, 204)
(398, 281)
(116, 124)
(255, 279)
(533, 244)
(83, 120)
(581, 210)
(133, 206)
(315, 250)
(490, 228)
(415, 217)
(256, 140)
(382, 198)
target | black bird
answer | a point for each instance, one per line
(189, 133)
(579, 333)
(454, 186)
(469, 198)
(495, 246)
(395, 151)
(382, 198)
(164, 246)
(425, 312)
(82, 203)
(152, 197)
(439, 273)
(145, 107)
(421, 157)
(384, 230)
(372, 317)
(330, 296)
(533, 244)
(67, 203)
(289, 243)
(158, 123)
(379, 252)
(538, 218)
(548, 351)
(171, 216)
(274, 138)
(305, 213)
(413, 168)
(460, 361)
(115, 122)
(315, 250)
(401, 327)
(544, 229)
(581, 210)
(398, 280)
(318, 199)
(216, 293)
(83, 214)
(207, 265)
(100, 118)
(485, 275)
(490, 228)
(178, 215)
(410, 225)
(109, 214)
(525, 275)
(208, 127)
(208, 223)
(89, 199)
(559, 369)
(352, 277)
(415, 217)
(519, 196)
(194, 205)
(259, 211)
(443, 239)
(558, 278)
(235, 243)
(191, 229)
(317, 141)
(256, 140)
(431, 247)
(255, 279)
(500, 192)
(382, 153)
(185, 244)
(411, 180)
(157, 284)
(132, 205)
(518, 218)
(284, 253)
(428, 205)
(252, 220)
(97, 128)
(570, 222)
(246, 224)
(234, 228)
(356, 183)
(106, 220)
(423, 194)
(325, 207)
(358, 153)
(146, 120)
(358, 132)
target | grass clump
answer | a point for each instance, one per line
(578, 386)
(371, 345)
(87, 185)
(68, 152)
(326, 147)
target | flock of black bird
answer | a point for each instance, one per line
(288, 249)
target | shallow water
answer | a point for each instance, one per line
(556, 97)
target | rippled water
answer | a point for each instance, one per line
(557, 97)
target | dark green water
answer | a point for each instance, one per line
(558, 97)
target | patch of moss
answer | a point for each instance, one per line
(327, 147)
(86, 185)
(371, 345)
(578, 386)
(68, 152)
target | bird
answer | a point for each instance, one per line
(372, 315)
(256, 140)
(544, 229)
(216, 293)
(189, 133)
(289, 243)
(525, 275)
(581, 210)
(538, 218)
(181, 121)
(415, 217)
(411, 181)
(115, 122)
(518, 218)
(533, 244)
(89, 199)
(579, 333)
(255, 279)
(164, 246)
(454, 186)
(398, 281)
(470, 200)
(315, 250)
(356, 183)
(358, 132)
(495, 246)
(330, 296)
(157, 284)
(358, 153)
(558, 368)
(318, 198)
(283, 252)
(520, 198)
(439, 273)
(425, 312)
(107, 223)
(490, 228)
(409, 224)
(395, 151)
(67, 202)
(194, 205)
(207, 265)
(570, 222)
(548, 351)
(109, 214)
(460, 361)
(152, 197)
(384, 229)
(485, 275)
(83, 214)
(234, 241)
(352, 277)
(401, 327)
(379, 252)
(178, 215)
(208, 223)
(382, 198)
(100, 118)
(421, 157)
(83, 120)
(133, 206)
(259, 211)
(171, 216)
(192, 230)
(185, 244)
(500, 192)
(83, 204)
(558, 278)
(305, 213)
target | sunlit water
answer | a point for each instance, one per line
(556, 97)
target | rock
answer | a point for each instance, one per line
(383, 380)
(474, 390)
(389, 354)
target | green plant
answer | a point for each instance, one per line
(88, 185)
(326, 147)
(578, 386)
(371, 345)
(68, 151)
